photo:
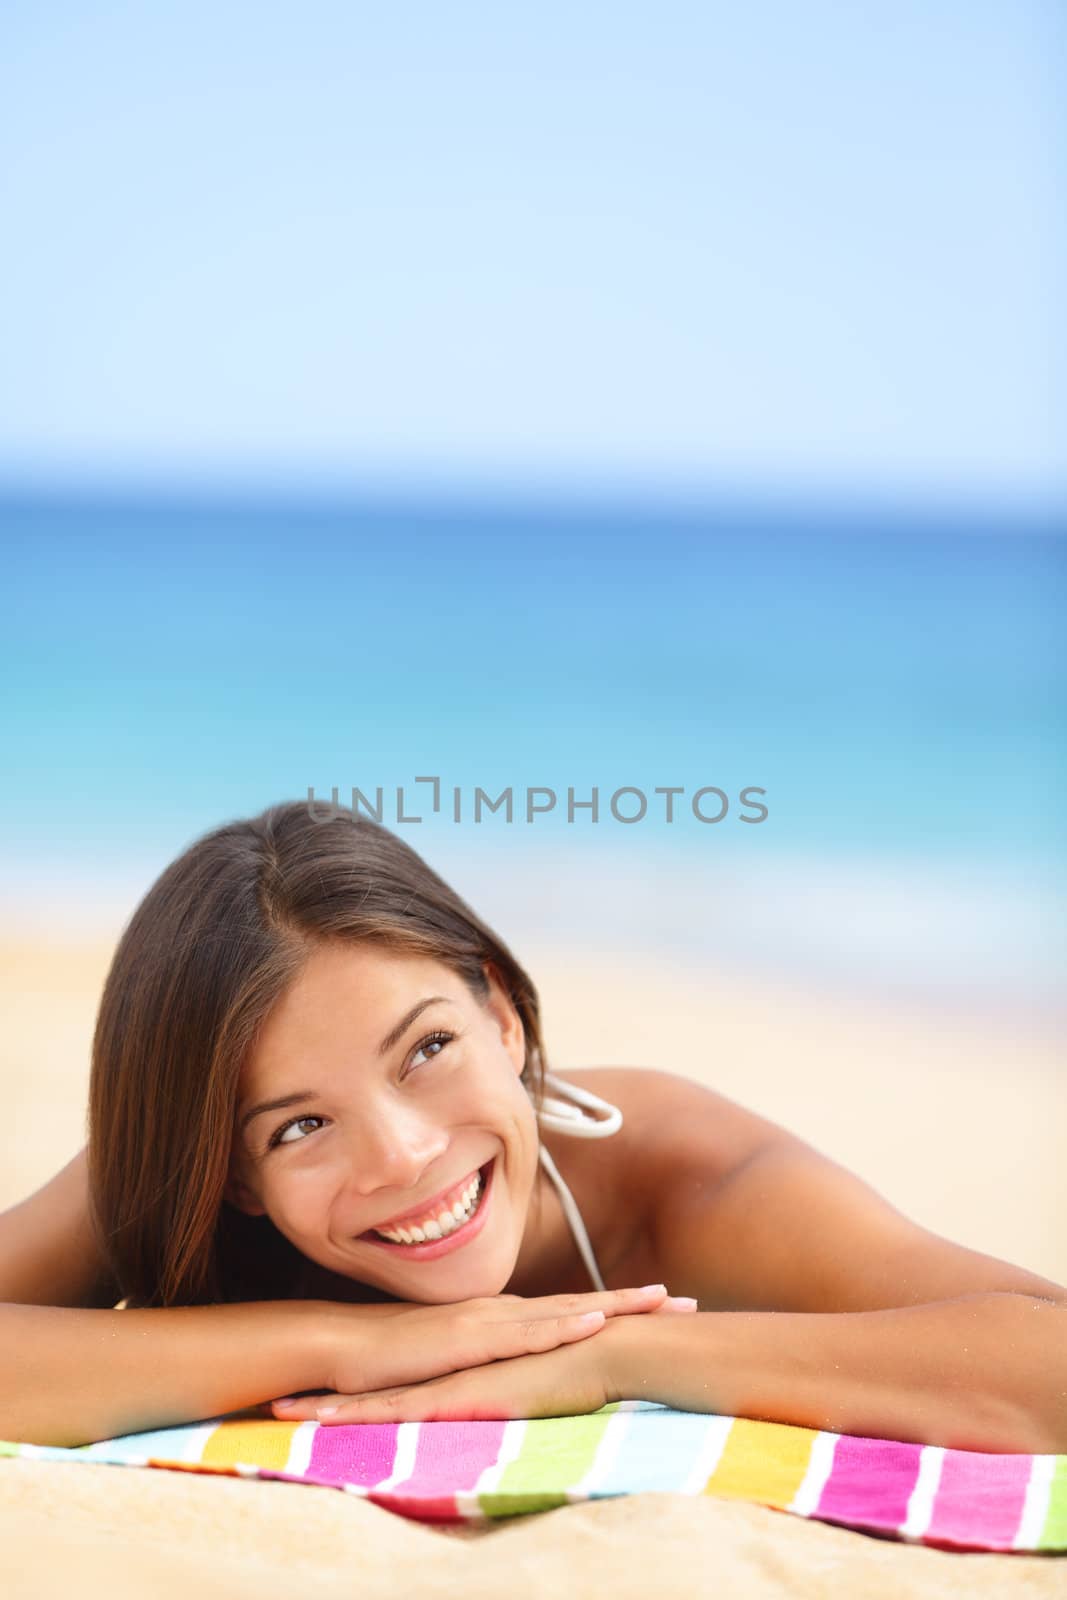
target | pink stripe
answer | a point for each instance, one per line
(450, 1457)
(870, 1483)
(359, 1452)
(980, 1498)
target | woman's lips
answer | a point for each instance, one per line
(432, 1248)
(429, 1208)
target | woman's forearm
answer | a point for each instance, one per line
(71, 1376)
(982, 1372)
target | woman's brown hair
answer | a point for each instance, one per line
(212, 946)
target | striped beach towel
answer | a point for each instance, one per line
(477, 1471)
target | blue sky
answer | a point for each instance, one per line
(674, 246)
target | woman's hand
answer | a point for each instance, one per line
(564, 1382)
(426, 1341)
(546, 1363)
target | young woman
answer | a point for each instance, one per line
(330, 1175)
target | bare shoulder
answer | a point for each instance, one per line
(673, 1130)
(671, 1120)
(49, 1251)
(743, 1214)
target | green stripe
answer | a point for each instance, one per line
(1054, 1533)
(554, 1450)
(10, 1448)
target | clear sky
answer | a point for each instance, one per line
(682, 244)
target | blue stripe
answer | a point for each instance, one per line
(658, 1451)
(164, 1443)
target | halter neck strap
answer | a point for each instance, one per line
(562, 1111)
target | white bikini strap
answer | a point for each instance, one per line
(574, 1217)
(565, 1116)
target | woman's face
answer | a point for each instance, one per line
(392, 1116)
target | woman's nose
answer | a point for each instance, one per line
(394, 1154)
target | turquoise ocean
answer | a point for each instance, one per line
(889, 685)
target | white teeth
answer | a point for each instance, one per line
(444, 1223)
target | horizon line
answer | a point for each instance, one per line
(488, 495)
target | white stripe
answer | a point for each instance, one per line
(1035, 1505)
(193, 1447)
(709, 1455)
(820, 1465)
(407, 1439)
(403, 1463)
(467, 1502)
(58, 1452)
(104, 1450)
(299, 1458)
(921, 1500)
(607, 1453)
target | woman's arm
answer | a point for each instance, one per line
(72, 1370)
(982, 1372)
(820, 1304)
(71, 1377)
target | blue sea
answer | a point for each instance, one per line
(889, 686)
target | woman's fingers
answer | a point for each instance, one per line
(528, 1332)
(545, 1333)
(527, 1335)
(613, 1302)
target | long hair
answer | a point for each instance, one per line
(209, 950)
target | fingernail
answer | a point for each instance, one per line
(591, 1316)
(326, 1411)
(288, 1401)
(681, 1300)
(647, 1288)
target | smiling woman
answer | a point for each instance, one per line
(326, 971)
(318, 1103)
(406, 1141)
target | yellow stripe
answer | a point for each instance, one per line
(255, 1444)
(764, 1461)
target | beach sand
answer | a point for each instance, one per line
(958, 1125)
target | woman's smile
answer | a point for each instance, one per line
(463, 1230)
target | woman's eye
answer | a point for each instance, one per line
(279, 1137)
(440, 1039)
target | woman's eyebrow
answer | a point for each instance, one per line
(392, 1037)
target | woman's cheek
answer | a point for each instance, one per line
(301, 1207)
